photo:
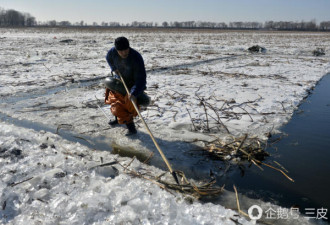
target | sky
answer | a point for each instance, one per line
(172, 10)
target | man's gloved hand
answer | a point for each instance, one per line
(133, 98)
(116, 72)
(106, 95)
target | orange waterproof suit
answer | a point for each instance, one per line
(121, 106)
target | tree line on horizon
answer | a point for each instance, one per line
(13, 18)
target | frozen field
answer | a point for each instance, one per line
(51, 78)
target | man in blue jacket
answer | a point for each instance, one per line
(129, 63)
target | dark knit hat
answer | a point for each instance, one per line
(121, 43)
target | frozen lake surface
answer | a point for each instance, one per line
(51, 86)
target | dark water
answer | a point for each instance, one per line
(304, 152)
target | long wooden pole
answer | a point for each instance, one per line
(102, 109)
(151, 135)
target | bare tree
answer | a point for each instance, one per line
(221, 25)
(31, 21)
(2, 17)
(14, 18)
(104, 24)
(64, 24)
(269, 24)
(52, 23)
(135, 24)
(311, 25)
(325, 26)
(176, 24)
(114, 24)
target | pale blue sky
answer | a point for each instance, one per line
(126, 11)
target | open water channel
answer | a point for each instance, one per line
(305, 152)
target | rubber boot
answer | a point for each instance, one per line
(114, 122)
(131, 129)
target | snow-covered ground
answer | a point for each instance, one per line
(46, 82)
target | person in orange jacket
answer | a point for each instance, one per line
(129, 63)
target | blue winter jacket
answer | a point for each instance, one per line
(132, 69)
